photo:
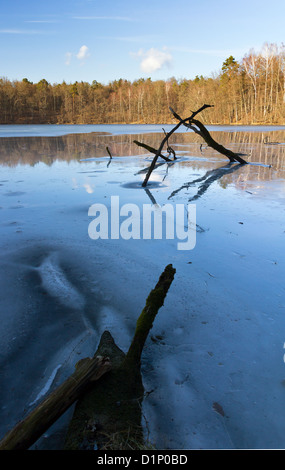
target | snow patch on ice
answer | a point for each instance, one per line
(57, 285)
(47, 386)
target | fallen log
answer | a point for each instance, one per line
(108, 416)
(27, 431)
(108, 411)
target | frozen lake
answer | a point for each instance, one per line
(214, 361)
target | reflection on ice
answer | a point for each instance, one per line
(209, 178)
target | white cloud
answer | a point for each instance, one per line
(41, 21)
(154, 59)
(83, 53)
(108, 18)
(68, 56)
(22, 31)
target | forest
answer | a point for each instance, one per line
(250, 91)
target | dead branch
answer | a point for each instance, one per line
(154, 301)
(169, 149)
(109, 152)
(151, 150)
(205, 134)
(197, 127)
(110, 155)
(165, 139)
(27, 431)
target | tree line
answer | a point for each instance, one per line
(249, 91)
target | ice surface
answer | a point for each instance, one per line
(217, 343)
(49, 130)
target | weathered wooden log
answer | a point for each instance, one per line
(103, 417)
(27, 431)
(205, 134)
(108, 416)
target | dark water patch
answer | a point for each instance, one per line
(138, 185)
(19, 206)
(92, 171)
(76, 209)
(14, 222)
(15, 193)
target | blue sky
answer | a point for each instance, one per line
(86, 40)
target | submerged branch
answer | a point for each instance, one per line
(109, 152)
(110, 155)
